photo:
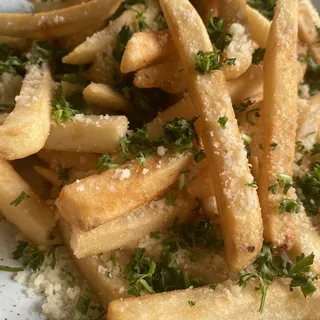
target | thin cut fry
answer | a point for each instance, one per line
(106, 97)
(48, 175)
(130, 228)
(145, 49)
(228, 165)
(59, 23)
(32, 216)
(95, 200)
(45, 6)
(76, 160)
(26, 129)
(96, 134)
(279, 118)
(227, 301)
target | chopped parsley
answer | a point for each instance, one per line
(284, 182)
(230, 61)
(179, 135)
(273, 188)
(243, 106)
(258, 55)
(123, 37)
(252, 184)
(268, 266)
(63, 108)
(155, 235)
(192, 303)
(207, 61)
(315, 149)
(142, 23)
(6, 106)
(10, 269)
(218, 34)
(11, 62)
(223, 121)
(309, 184)
(63, 173)
(83, 304)
(273, 146)
(161, 21)
(32, 257)
(21, 197)
(265, 7)
(256, 114)
(105, 162)
(52, 253)
(289, 205)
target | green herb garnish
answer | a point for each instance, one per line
(289, 205)
(265, 7)
(218, 34)
(123, 37)
(258, 55)
(223, 121)
(105, 162)
(10, 269)
(21, 197)
(207, 61)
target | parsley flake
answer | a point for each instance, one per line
(223, 121)
(207, 61)
(258, 55)
(21, 197)
(192, 303)
(218, 34)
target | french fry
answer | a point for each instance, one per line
(48, 175)
(227, 301)
(201, 186)
(77, 160)
(241, 46)
(25, 130)
(93, 134)
(169, 76)
(58, 23)
(182, 109)
(145, 49)
(31, 216)
(105, 40)
(54, 5)
(106, 289)
(279, 118)
(106, 192)
(238, 204)
(19, 44)
(104, 96)
(153, 216)
(259, 27)
(207, 8)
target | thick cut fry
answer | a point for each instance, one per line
(227, 301)
(45, 6)
(32, 216)
(59, 23)
(96, 134)
(106, 289)
(76, 160)
(147, 48)
(106, 97)
(259, 27)
(182, 109)
(169, 76)
(228, 165)
(279, 118)
(98, 199)
(26, 129)
(130, 228)
(48, 175)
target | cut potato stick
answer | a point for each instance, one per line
(238, 204)
(147, 48)
(279, 118)
(227, 301)
(182, 109)
(25, 130)
(130, 228)
(48, 175)
(169, 76)
(259, 27)
(106, 97)
(201, 186)
(76, 160)
(96, 134)
(119, 190)
(58, 23)
(106, 289)
(55, 5)
(105, 40)
(20, 206)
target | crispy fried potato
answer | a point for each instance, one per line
(153, 216)
(106, 97)
(169, 76)
(259, 27)
(279, 118)
(227, 301)
(48, 175)
(119, 190)
(31, 216)
(45, 6)
(106, 289)
(25, 130)
(93, 134)
(78, 160)
(238, 204)
(147, 48)
(58, 23)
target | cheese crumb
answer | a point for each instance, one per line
(122, 174)
(161, 151)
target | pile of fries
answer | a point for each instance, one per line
(181, 137)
